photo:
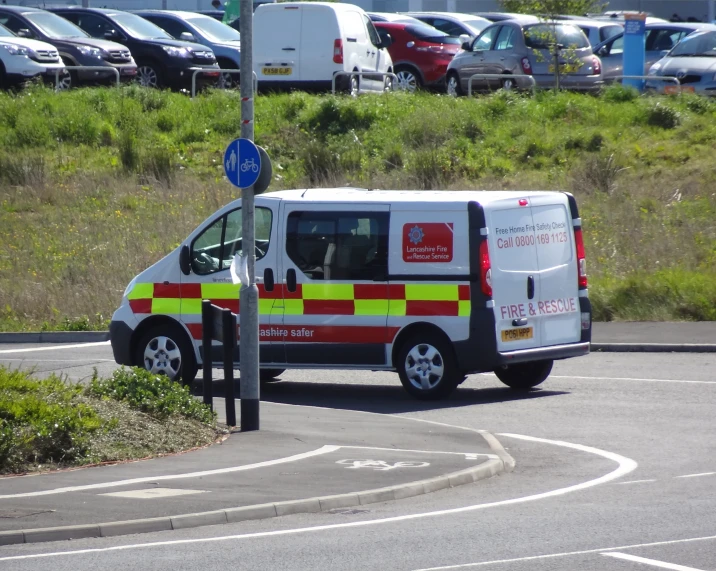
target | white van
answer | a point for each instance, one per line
(303, 44)
(433, 285)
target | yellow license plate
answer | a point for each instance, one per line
(517, 334)
(277, 71)
(675, 89)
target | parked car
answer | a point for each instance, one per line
(453, 24)
(162, 61)
(390, 17)
(597, 31)
(304, 44)
(660, 38)
(514, 49)
(22, 59)
(420, 53)
(498, 16)
(692, 61)
(74, 46)
(219, 15)
(223, 40)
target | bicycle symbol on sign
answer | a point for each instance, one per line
(249, 165)
(380, 465)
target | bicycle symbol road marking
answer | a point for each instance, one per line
(380, 465)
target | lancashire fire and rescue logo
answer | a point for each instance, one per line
(416, 234)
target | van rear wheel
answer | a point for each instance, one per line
(524, 376)
(427, 367)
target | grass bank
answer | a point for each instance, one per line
(48, 424)
(97, 184)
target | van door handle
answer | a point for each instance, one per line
(291, 280)
(530, 287)
(289, 49)
(519, 322)
(268, 279)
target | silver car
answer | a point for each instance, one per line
(660, 38)
(518, 48)
(692, 62)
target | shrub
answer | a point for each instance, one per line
(128, 150)
(153, 394)
(618, 93)
(664, 116)
(31, 130)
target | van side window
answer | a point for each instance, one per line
(214, 249)
(339, 245)
(372, 32)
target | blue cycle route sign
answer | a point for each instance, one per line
(242, 163)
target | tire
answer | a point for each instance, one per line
(268, 375)
(68, 80)
(166, 350)
(427, 367)
(408, 79)
(150, 75)
(353, 87)
(452, 85)
(3, 78)
(524, 376)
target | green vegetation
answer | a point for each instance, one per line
(50, 423)
(98, 184)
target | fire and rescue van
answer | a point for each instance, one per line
(433, 285)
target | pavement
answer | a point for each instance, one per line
(306, 460)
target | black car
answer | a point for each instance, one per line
(162, 61)
(75, 47)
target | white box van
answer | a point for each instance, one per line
(433, 285)
(303, 44)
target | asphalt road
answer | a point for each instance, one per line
(615, 470)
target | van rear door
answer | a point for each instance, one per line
(558, 302)
(515, 273)
(277, 42)
(318, 43)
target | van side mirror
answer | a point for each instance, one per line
(184, 261)
(386, 40)
(187, 37)
(465, 46)
(24, 33)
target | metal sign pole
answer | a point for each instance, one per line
(249, 304)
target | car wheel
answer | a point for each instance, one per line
(427, 367)
(452, 85)
(166, 350)
(149, 75)
(509, 83)
(269, 375)
(388, 84)
(353, 86)
(408, 80)
(524, 376)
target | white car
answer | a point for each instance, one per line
(306, 45)
(22, 59)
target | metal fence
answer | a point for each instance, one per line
(502, 76)
(644, 78)
(86, 68)
(383, 74)
(197, 70)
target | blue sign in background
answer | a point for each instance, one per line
(634, 51)
(242, 163)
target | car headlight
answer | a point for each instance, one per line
(89, 51)
(177, 52)
(15, 50)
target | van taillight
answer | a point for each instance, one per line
(338, 51)
(526, 66)
(485, 269)
(581, 260)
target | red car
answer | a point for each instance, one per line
(420, 53)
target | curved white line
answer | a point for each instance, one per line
(323, 450)
(55, 347)
(626, 465)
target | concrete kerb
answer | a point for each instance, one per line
(493, 466)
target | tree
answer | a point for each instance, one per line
(551, 8)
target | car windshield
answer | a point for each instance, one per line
(139, 27)
(53, 26)
(541, 36)
(430, 34)
(5, 33)
(478, 25)
(696, 45)
(214, 30)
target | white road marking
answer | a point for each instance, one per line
(634, 482)
(633, 379)
(88, 360)
(653, 562)
(697, 475)
(625, 465)
(55, 347)
(153, 493)
(567, 554)
(294, 458)
(468, 455)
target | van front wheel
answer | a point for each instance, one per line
(427, 367)
(524, 376)
(166, 350)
